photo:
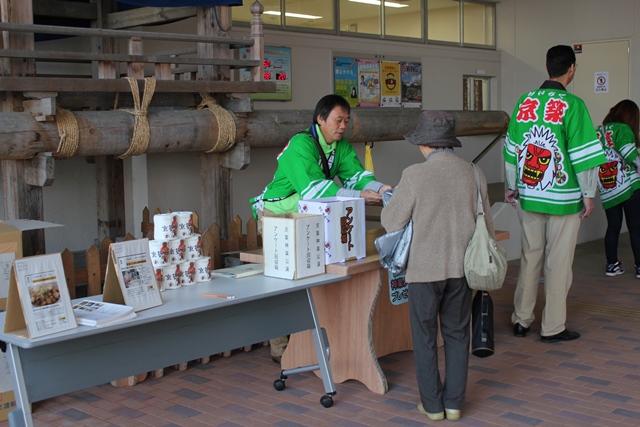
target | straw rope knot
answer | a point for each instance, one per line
(68, 131)
(140, 138)
(226, 124)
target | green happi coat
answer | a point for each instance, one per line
(550, 139)
(617, 179)
(300, 176)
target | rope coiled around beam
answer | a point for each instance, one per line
(226, 124)
(68, 131)
(140, 138)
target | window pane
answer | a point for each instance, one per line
(444, 20)
(360, 16)
(271, 15)
(478, 24)
(309, 14)
(403, 18)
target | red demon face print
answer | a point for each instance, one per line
(535, 164)
(608, 174)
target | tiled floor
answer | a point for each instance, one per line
(593, 381)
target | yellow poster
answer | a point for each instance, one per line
(390, 88)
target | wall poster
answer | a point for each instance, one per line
(368, 83)
(373, 83)
(390, 76)
(345, 79)
(277, 68)
(411, 75)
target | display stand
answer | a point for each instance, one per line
(38, 303)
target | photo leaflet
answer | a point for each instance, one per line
(130, 278)
(43, 293)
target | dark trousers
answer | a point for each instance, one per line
(630, 209)
(451, 300)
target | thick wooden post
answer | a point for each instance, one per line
(109, 170)
(216, 180)
(21, 200)
(136, 188)
(257, 51)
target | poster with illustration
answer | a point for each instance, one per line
(277, 68)
(345, 79)
(368, 83)
(411, 75)
(390, 93)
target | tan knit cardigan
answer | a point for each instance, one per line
(440, 195)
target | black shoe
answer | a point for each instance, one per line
(276, 359)
(565, 335)
(519, 330)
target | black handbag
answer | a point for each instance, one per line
(482, 325)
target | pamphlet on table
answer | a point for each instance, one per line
(130, 278)
(38, 297)
(97, 313)
(239, 271)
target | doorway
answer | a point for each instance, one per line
(602, 75)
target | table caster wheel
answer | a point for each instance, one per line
(326, 401)
(280, 385)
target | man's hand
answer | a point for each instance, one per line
(511, 196)
(588, 207)
(384, 188)
(371, 197)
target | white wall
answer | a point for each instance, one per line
(527, 29)
(517, 66)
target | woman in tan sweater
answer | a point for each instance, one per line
(440, 196)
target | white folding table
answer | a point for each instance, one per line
(187, 326)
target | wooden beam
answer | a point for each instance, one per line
(61, 84)
(122, 34)
(54, 56)
(21, 200)
(65, 9)
(109, 132)
(148, 16)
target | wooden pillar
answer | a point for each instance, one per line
(216, 180)
(257, 34)
(21, 200)
(136, 188)
(109, 170)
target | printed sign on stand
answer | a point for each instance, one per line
(130, 277)
(38, 302)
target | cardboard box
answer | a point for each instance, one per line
(7, 398)
(293, 245)
(10, 249)
(345, 229)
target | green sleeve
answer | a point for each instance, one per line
(349, 169)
